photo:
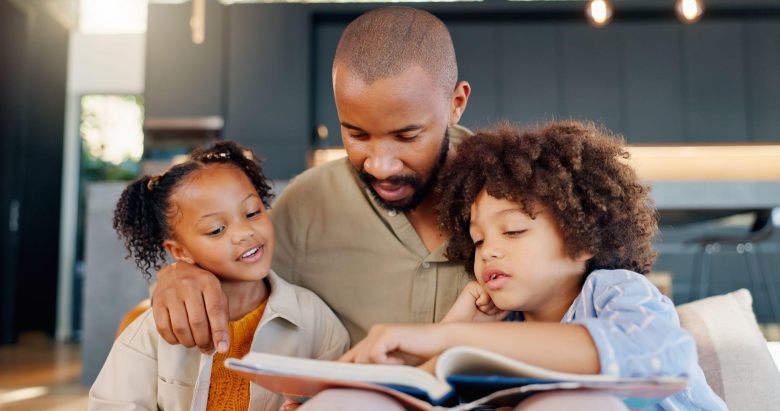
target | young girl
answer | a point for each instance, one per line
(210, 211)
(558, 232)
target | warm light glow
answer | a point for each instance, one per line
(346, 1)
(324, 155)
(599, 12)
(23, 394)
(689, 11)
(706, 162)
(198, 21)
(112, 17)
(675, 162)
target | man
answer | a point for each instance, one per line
(360, 232)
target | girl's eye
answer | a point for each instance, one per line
(216, 232)
(253, 214)
(478, 243)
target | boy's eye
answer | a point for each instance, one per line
(253, 214)
(514, 233)
(217, 231)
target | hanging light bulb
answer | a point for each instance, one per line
(599, 12)
(689, 11)
(198, 21)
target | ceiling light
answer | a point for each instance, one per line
(112, 17)
(599, 12)
(689, 11)
(198, 21)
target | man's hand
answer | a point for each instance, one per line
(474, 305)
(411, 344)
(190, 308)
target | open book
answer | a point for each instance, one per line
(467, 376)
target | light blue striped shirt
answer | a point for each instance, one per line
(637, 334)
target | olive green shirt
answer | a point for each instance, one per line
(367, 263)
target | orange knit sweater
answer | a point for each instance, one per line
(228, 391)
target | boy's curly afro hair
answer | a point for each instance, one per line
(575, 170)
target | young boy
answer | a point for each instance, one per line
(558, 232)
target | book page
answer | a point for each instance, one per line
(401, 375)
(476, 361)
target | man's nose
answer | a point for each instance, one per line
(383, 164)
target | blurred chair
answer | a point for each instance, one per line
(131, 315)
(746, 245)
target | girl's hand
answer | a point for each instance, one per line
(411, 344)
(474, 305)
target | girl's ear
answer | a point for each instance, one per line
(178, 251)
(583, 256)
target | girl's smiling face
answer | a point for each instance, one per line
(521, 261)
(219, 223)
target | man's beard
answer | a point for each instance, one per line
(421, 189)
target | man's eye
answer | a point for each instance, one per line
(359, 135)
(217, 231)
(408, 137)
(253, 214)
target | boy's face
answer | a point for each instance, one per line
(394, 131)
(522, 262)
(221, 225)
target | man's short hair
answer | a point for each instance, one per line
(386, 42)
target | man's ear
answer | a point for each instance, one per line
(460, 99)
(178, 251)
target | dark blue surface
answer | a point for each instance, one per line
(473, 387)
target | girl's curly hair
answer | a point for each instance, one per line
(144, 211)
(576, 170)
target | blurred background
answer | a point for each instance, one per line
(95, 92)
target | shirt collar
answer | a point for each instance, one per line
(398, 222)
(282, 302)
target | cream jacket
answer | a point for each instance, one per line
(143, 372)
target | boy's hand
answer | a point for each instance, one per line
(190, 308)
(430, 365)
(289, 405)
(474, 305)
(411, 344)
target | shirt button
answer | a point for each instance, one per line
(613, 368)
(392, 213)
(426, 264)
(655, 363)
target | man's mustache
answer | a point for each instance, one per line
(397, 180)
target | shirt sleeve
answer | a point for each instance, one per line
(636, 329)
(328, 334)
(335, 339)
(286, 245)
(128, 379)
